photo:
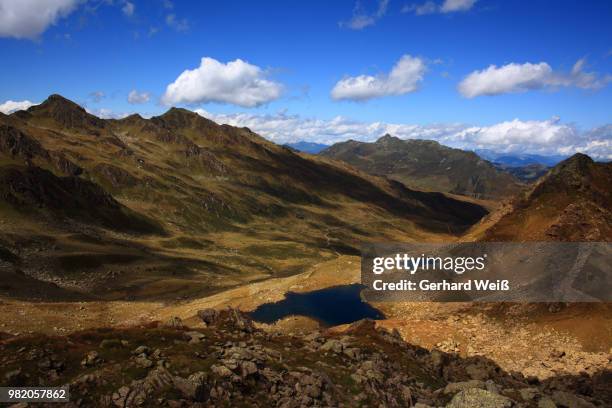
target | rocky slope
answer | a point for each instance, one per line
(166, 207)
(572, 202)
(229, 362)
(427, 165)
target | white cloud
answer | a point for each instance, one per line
(430, 7)
(548, 137)
(515, 77)
(451, 6)
(128, 8)
(508, 78)
(362, 18)
(236, 82)
(105, 113)
(30, 18)
(13, 106)
(404, 78)
(135, 97)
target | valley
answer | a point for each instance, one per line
(122, 224)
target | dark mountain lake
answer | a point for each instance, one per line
(329, 306)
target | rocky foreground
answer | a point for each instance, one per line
(232, 363)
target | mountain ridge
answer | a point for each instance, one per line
(221, 201)
(570, 203)
(427, 165)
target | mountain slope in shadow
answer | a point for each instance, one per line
(163, 206)
(572, 202)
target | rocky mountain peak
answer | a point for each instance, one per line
(66, 113)
(387, 138)
(180, 118)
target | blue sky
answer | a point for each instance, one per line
(328, 71)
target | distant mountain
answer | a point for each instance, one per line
(307, 147)
(519, 160)
(572, 202)
(178, 205)
(529, 173)
(427, 165)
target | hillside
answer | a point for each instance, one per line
(227, 361)
(178, 205)
(427, 165)
(572, 202)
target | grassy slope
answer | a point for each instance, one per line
(427, 165)
(230, 206)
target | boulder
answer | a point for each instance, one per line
(208, 316)
(194, 387)
(477, 398)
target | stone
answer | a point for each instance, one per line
(141, 350)
(247, 368)
(194, 337)
(221, 371)
(477, 398)
(194, 387)
(91, 359)
(453, 388)
(332, 345)
(352, 353)
(529, 394)
(208, 316)
(144, 362)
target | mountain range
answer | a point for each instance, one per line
(179, 206)
(307, 147)
(519, 160)
(166, 206)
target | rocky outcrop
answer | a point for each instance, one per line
(67, 114)
(17, 144)
(233, 363)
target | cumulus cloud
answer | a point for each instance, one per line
(513, 77)
(135, 97)
(236, 82)
(13, 106)
(430, 7)
(547, 137)
(30, 18)
(362, 18)
(404, 78)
